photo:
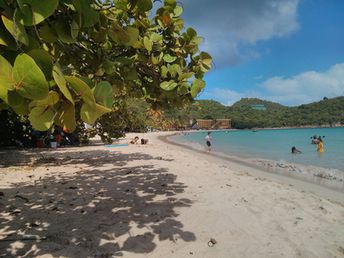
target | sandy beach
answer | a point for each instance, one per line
(159, 200)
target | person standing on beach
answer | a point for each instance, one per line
(208, 141)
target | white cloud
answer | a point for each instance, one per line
(227, 97)
(232, 27)
(306, 87)
(300, 89)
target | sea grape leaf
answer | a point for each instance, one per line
(6, 79)
(91, 114)
(64, 31)
(103, 94)
(51, 100)
(17, 30)
(133, 34)
(34, 12)
(164, 71)
(169, 59)
(144, 5)
(48, 34)
(62, 83)
(44, 61)
(29, 78)
(41, 118)
(174, 69)
(66, 117)
(178, 11)
(18, 103)
(5, 37)
(184, 76)
(88, 15)
(183, 89)
(148, 44)
(155, 37)
(170, 2)
(196, 87)
(74, 29)
(82, 90)
(168, 85)
(191, 32)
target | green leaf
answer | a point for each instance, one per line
(164, 71)
(51, 100)
(91, 114)
(169, 59)
(174, 70)
(17, 30)
(133, 34)
(87, 14)
(196, 87)
(5, 37)
(206, 61)
(64, 31)
(148, 44)
(6, 79)
(44, 61)
(155, 37)
(103, 94)
(48, 34)
(74, 29)
(66, 117)
(184, 76)
(178, 11)
(144, 5)
(35, 11)
(30, 80)
(41, 118)
(170, 2)
(168, 85)
(62, 83)
(82, 90)
(191, 33)
(183, 89)
(18, 103)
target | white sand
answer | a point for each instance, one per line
(159, 200)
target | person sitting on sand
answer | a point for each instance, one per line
(135, 140)
(294, 150)
(208, 141)
(144, 141)
(320, 146)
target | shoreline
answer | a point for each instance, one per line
(159, 200)
(318, 185)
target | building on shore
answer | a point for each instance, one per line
(213, 124)
(204, 123)
(223, 124)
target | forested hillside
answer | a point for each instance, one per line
(325, 112)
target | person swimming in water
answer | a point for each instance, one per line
(295, 151)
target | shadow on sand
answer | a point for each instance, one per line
(99, 211)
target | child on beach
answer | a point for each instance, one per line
(208, 141)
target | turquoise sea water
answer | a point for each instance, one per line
(276, 145)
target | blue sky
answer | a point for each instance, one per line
(287, 51)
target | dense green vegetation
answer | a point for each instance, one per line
(65, 62)
(325, 112)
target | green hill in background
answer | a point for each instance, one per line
(252, 112)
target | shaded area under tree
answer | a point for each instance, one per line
(93, 211)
